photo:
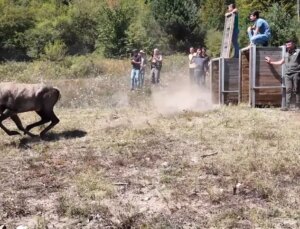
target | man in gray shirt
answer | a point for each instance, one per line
(292, 71)
(200, 61)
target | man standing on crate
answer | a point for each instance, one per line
(292, 71)
(232, 10)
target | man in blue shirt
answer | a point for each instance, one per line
(260, 32)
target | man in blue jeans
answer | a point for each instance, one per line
(260, 32)
(135, 71)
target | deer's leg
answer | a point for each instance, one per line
(6, 114)
(18, 123)
(54, 120)
(45, 117)
(43, 120)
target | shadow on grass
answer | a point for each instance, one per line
(51, 137)
(65, 134)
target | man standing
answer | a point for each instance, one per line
(135, 71)
(192, 65)
(233, 11)
(156, 64)
(292, 71)
(143, 68)
(260, 32)
(200, 61)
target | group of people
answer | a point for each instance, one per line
(139, 63)
(198, 66)
(259, 33)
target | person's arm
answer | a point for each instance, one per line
(257, 25)
(191, 58)
(135, 62)
(232, 12)
(279, 62)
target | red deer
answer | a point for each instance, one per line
(17, 98)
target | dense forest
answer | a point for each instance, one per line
(52, 29)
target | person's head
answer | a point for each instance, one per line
(192, 50)
(142, 53)
(231, 7)
(203, 50)
(290, 45)
(135, 52)
(156, 51)
(254, 15)
(199, 50)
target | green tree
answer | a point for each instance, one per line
(14, 21)
(283, 26)
(144, 32)
(213, 42)
(79, 31)
(48, 18)
(115, 21)
(179, 19)
(212, 14)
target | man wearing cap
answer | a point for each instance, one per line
(292, 72)
(143, 68)
(135, 71)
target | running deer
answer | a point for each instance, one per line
(17, 98)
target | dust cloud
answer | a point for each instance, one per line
(181, 95)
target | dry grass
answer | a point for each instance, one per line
(118, 160)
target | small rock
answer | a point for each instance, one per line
(165, 164)
(236, 188)
(178, 205)
(90, 218)
(22, 227)
(147, 198)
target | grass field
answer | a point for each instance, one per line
(155, 158)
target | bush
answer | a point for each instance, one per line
(213, 42)
(55, 51)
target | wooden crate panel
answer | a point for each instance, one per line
(268, 97)
(215, 83)
(231, 98)
(244, 77)
(266, 74)
(231, 74)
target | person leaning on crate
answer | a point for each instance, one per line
(292, 71)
